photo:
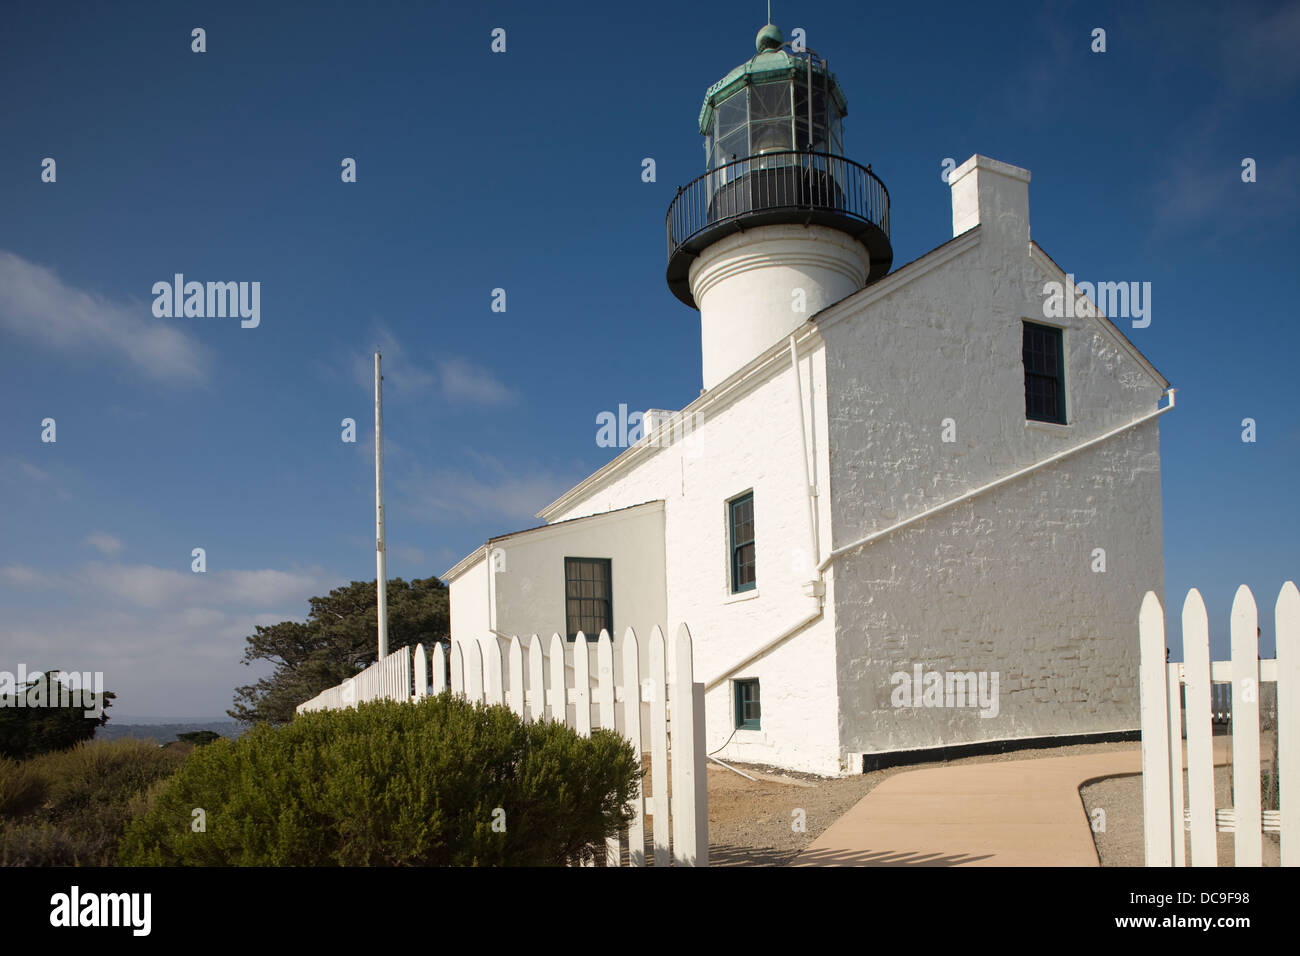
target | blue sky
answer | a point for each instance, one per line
(522, 171)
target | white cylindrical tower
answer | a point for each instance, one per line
(781, 225)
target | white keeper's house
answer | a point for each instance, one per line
(912, 507)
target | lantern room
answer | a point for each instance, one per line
(779, 216)
(769, 104)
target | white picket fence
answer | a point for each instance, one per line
(389, 679)
(655, 713)
(1165, 817)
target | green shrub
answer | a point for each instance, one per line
(72, 806)
(393, 784)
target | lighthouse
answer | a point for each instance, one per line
(781, 224)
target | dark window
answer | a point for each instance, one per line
(748, 710)
(589, 597)
(1044, 359)
(741, 512)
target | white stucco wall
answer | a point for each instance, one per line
(468, 597)
(1003, 583)
(529, 586)
(747, 441)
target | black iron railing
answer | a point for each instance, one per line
(776, 187)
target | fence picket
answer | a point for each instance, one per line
(690, 840)
(559, 695)
(421, 672)
(1155, 733)
(1287, 618)
(1176, 762)
(1200, 730)
(474, 672)
(457, 668)
(516, 677)
(582, 685)
(632, 730)
(1245, 730)
(439, 669)
(605, 700)
(493, 672)
(659, 745)
(536, 680)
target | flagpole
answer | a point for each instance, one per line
(381, 574)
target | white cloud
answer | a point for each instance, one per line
(463, 381)
(105, 544)
(456, 379)
(139, 584)
(267, 588)
(37, 304)
(143, 585)
(168, 642)
(32, 472)
(22, 576)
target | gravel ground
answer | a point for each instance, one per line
(752, 823)
(1121, 843)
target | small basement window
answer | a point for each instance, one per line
(1044, 358)
(748, 709)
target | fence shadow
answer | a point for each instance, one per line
(883, 858)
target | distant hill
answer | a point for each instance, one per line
(165, 733)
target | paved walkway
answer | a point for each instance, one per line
(1008, 813)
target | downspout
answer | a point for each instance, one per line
(814, 588)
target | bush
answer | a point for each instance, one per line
(72, 806)
(393, 784)
(21, 789)
(41, 844)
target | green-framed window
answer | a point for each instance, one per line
(1044, 358)
(740, 520)
(748, 708)
(588, 597)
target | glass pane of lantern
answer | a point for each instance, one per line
(769, 101)
(771, 135)
(734, 146)
(731, 114)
